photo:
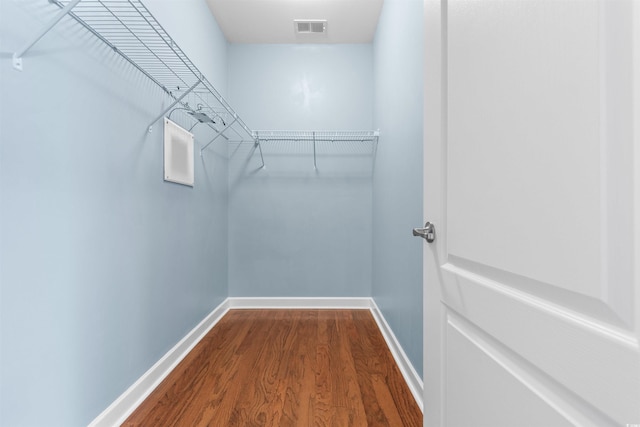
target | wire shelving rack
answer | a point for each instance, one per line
(130, 30)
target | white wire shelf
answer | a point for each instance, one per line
(127, 27)
(317, 135)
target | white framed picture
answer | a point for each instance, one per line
(178, 154)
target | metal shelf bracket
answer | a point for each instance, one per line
(218, 135)
(315, 165)
(173, 104)
(17, 56)
(261, 155)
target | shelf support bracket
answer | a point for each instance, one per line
(315, 166)
(218, 135)
(257, 142)
(17, 56)
(173, 104)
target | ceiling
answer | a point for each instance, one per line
(271, 21)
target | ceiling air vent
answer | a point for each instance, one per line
(310, 26)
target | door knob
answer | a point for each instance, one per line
(428, 232)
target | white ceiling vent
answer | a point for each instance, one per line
(310, 26)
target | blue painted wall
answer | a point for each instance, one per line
(293, 230)
(397, 180)
(103, 266)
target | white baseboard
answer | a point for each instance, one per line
(404, 364)
(310, 303)
(119, 410)
(128, 401)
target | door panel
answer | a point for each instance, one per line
(579, 353)
(500, 404)
(526, 166)
(531, 297)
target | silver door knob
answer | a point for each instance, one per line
(428, 232)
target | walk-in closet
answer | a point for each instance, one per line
(155, 173)
(319, 212)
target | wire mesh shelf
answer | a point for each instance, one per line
(128, 28)
(317, 136)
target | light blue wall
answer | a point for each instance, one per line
(295, 231)
(103, 266)
(397, 181)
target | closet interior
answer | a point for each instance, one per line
(290, 201)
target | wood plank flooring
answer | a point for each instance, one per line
(285, 368)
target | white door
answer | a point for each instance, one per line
(532, 179)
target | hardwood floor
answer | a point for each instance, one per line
(285, 368)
